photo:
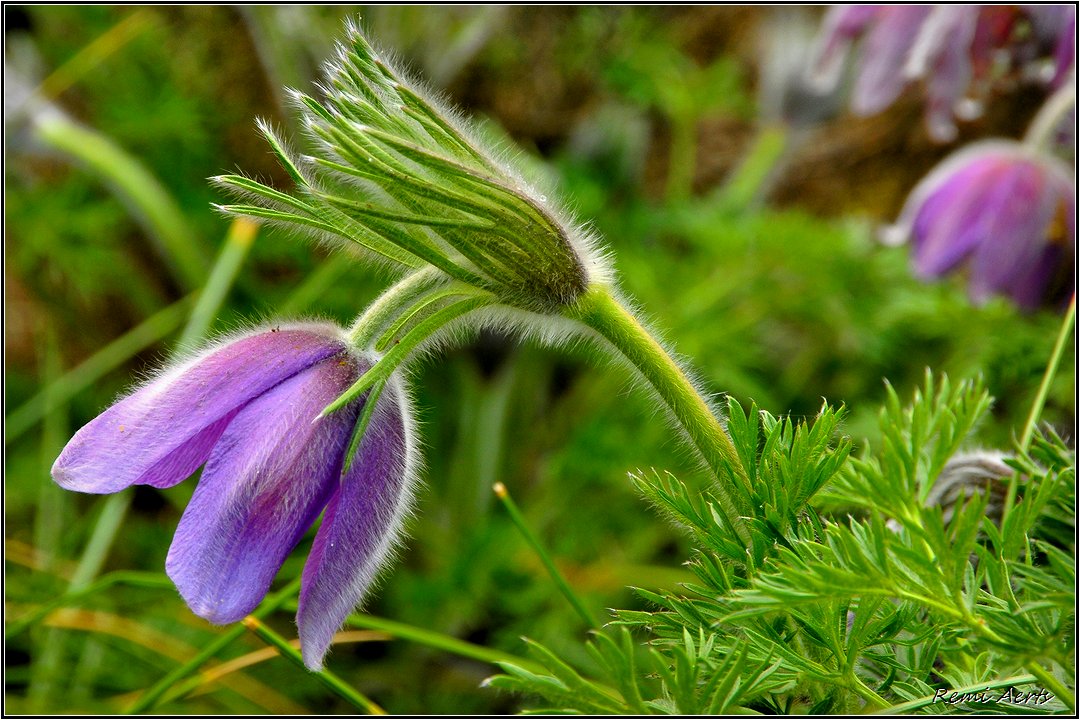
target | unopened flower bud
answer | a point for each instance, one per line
(399, 175)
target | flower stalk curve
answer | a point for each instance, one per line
(600, 311)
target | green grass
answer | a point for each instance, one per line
(112, 249)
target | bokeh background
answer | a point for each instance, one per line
(741, 210)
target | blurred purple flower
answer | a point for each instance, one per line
(956, 51)
(1004, 211)
(247, 408)
(889, 40)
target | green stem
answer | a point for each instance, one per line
(48, 663)
(1040, 399)
(99, 50)
(335, 684)
(418, 312)
(748, 181)
(439, 641)
(121, 577)
(1051, 683)
(1051, 370)
(601, 312)
(97, 548)
(866, 693)
(560, 582)
(46, 668)
(51, 499)
(149, 698)
(389, 305)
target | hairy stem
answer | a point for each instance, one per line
(696, 420)
(389, 305)
(1050, 117)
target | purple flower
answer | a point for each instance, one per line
(955, 51)
(248, 409)
(1005, 212)
(889, 40)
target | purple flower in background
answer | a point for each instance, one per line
(1005, 212)
(955, 51)
(889, 40)
(247, 408)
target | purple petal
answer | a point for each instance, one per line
(1033, 218)
(884, 57)
(1065, 52)
(841, 25)
(267, 479)
(1028, 287)
(949, 222)
(359, 529)
(164, 431)
(943, 53)
(1012, 227)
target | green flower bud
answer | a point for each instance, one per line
(407, 181)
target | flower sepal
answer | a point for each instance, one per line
(248, 408)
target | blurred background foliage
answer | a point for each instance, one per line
(741, 213)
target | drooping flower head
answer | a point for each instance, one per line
(957, 52)
(1003, 211)
(249, 410)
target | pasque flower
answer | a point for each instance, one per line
(404, 181)
(1005, 212)
(249, 408)
(956, 52)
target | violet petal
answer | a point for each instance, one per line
(1065, 51)
(359, 529)
(842, 24)
(948, 64)
(949, 225)
(164, 431)
(884, 57)
(1028, 286)
(266, 481)
(1016, 226)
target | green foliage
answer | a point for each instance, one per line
(826, 613)
(693, 677)
(770, 303)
